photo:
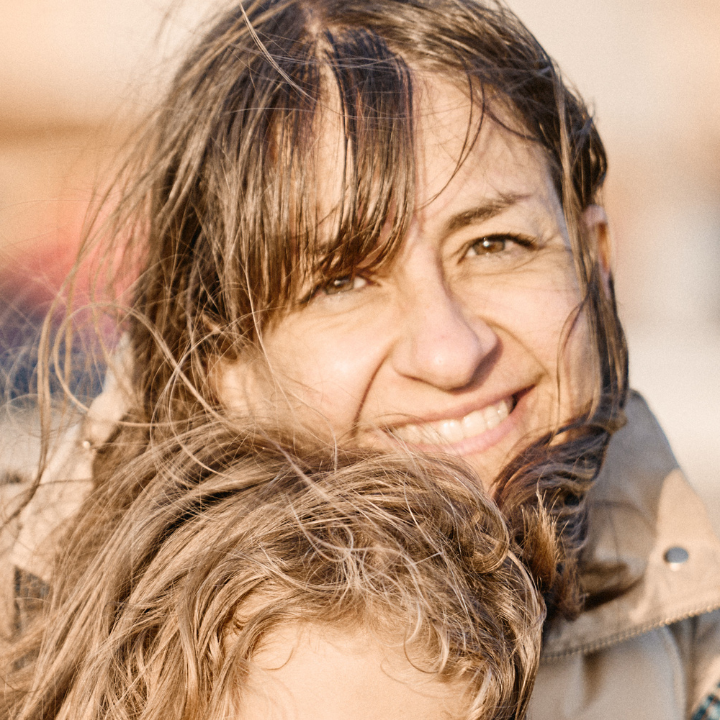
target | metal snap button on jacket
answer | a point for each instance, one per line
(676, 556)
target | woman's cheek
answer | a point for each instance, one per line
(325, 369)
(540, 313)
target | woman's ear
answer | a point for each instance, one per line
(597, 231)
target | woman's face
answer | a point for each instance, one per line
(469, 342)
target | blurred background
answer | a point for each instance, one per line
(76, 74)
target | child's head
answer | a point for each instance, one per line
(242, 585)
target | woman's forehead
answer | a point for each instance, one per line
(458, 140)
(459, 147)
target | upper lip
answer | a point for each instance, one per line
(456, 413)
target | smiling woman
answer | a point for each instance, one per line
(471, 341)
(377, 224)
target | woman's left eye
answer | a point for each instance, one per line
(495, 244)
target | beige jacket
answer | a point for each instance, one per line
(649, 647)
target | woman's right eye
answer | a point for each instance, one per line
(343, 284)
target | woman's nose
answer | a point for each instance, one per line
(443, 343)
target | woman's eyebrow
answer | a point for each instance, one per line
(484, 211)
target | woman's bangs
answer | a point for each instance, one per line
(345, 210)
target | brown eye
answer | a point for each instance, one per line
(489, 245)
(343, 284)
(502, 244)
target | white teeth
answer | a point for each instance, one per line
(414, 434)
(492, 418)
(453, 431)
(503, 409)
(474, 423)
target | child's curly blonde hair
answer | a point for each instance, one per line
(169, 596)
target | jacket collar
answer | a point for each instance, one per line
(652, 557)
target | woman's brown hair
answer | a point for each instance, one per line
(187, 570)
(219, 211)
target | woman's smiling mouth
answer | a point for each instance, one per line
(456, 431)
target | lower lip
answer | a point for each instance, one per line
(479, 443)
